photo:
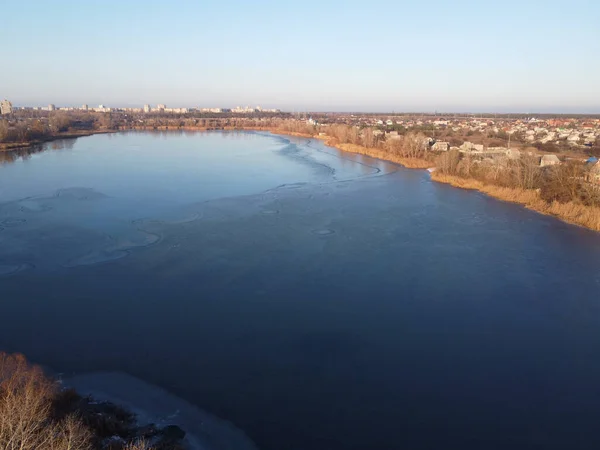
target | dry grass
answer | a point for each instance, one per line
(289, 133)
(8, 146)
(412, 163)
(586, 216)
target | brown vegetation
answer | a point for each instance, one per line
(36, 414)
(571, 211)
(410, 150)
(26, 411)
(410, 162)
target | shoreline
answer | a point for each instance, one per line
(572, 213)
(13, 146)
(104, 410)
(575, 214)
(152, 404)
(584, 216)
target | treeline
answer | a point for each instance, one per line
(44, 126)
(36, 414)
(412, 145)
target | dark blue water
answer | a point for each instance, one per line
(318, 300)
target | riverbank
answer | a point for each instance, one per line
(411, 163)
(577, 214)
(153, 405)
(102, 411)
(585, 216)
(10, 146)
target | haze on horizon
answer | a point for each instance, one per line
(532, 56)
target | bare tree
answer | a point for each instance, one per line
(26, 396)
(447, 162)
(394, 146)
(368, 138)
(3, 130)
(527, 172)
(564, 183)
(139, 445)
(414, 145)
(466, 166)
(59, 121)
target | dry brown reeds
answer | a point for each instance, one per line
(412, 163)
(587, 216)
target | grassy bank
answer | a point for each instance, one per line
(9, 146)
(412, 163)
(586, 216)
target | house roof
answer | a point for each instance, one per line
(550, 158)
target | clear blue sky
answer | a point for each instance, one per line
(445, 55)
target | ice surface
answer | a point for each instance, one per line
(152, 404)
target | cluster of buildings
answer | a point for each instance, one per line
(7, 108)
(237, 109)
(572, 132)
(569, 132)
(490, 140)
(53, 107)
(500, 155)
(160, 108)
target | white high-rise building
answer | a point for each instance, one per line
(147, 108)
(84, 107)
(5, 107)
(51, 107)
(161, 107)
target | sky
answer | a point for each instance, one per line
(307, 55)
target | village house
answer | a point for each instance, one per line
(440, 146)
(469, 147)
(549, 160)
(563, 134)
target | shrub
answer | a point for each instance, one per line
(26, 423)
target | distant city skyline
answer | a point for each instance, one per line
(157, 107)
(6, 107)
(534, 56)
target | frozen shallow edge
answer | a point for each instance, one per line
(153, 404)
